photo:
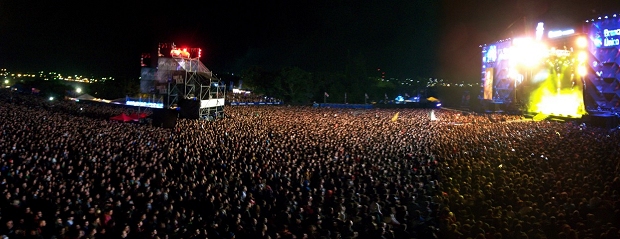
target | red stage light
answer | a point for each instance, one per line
(179, 53)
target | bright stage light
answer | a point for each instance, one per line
(560, 33)
(582, 70)
(78, 90)
(527, 51)
(582, 42)
(540, 29)
(557, 87)
(540, 76)
(564, 103)
(582, 57)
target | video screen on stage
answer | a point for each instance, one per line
(487, 81)
(147, 80)
(495, 68)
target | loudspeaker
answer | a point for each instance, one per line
(165, 118)
(189, 108)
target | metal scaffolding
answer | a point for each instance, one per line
(188, 78)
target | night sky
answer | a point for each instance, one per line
(405, 38)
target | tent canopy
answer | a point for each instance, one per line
(432, 99)
(85, 97)
(122, 117)
(138, 116)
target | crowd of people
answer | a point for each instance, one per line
(91, 109)
(250, 98)
(303, 172)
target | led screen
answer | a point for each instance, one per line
(488, 84)
(495, 71)
(604, 44)
(147, 80)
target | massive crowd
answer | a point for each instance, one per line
(302, 172)
(91, 109)
(249, 98)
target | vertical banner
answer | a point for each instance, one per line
(488, 84)
(395, 117)
(147, 80)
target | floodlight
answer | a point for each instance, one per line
(582, 70)
(582, 57)
(582, 42)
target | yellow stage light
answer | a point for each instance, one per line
(582, 42)
(582, 70)
(560, 92)
(582, 57)
(562, 102)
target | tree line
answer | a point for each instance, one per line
(298, 86)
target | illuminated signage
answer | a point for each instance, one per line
(145, 104)
(611, 42)
(611, 33)
(491, 54)
(211, 103)
(540, 29)
(560, 33)
(558, 52)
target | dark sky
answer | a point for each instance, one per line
(405, 38)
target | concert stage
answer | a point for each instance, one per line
(556, 70)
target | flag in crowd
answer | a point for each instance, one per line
(326, 95)
(366, 95)
(395, 117)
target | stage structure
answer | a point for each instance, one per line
(496, 83)
(561, 70)
(603, 83)
(184, 83)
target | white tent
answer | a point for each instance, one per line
(85, 97)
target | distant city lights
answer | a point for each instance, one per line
(53, 76)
